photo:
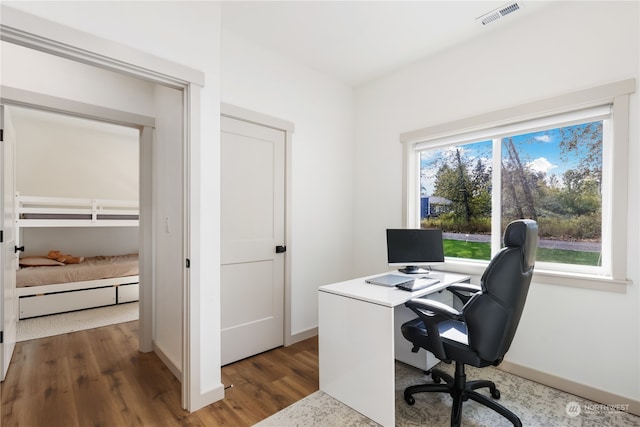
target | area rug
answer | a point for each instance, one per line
(535, 405)
(56, 324)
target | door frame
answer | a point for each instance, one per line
(36, 101)
(8, 254)
(35, 33)
(239, 113)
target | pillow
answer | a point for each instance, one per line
(36, 261)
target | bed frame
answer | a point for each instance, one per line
(43, 300)
(67, 212)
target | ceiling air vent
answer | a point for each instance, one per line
(493, 16)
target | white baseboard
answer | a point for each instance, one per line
(206, 398)
(175, 370)
(301, 336)
(572, 387)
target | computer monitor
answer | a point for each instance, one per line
(414, 249)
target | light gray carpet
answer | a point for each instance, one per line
(535, 405)
(56, 324)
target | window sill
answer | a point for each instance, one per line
(584, 281)
(547, 277)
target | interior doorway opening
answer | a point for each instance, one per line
(66, 162)
(171, 97)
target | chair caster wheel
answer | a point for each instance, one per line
(495, 393)
(410, 400)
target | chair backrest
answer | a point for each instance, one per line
(492, 316)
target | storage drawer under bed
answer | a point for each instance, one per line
(61, 302)
(128, 293)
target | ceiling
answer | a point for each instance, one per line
(357, 41)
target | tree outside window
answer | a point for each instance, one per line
(553, 176)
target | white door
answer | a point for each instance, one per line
(8, 297)
(252, 226)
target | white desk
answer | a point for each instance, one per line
(359, 324)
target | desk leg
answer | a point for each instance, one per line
(356, 355)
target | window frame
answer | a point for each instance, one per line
(615, 165)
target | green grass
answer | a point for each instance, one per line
(568, 257)
(469, 250)
(482, 251)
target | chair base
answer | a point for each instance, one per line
(461, 390)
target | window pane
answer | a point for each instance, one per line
(555, 178)
(455, 196)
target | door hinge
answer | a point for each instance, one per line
(1, 337)
(1, 135)
(1, 236)
(188, 263)
(281, 249)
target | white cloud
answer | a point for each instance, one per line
(541, 165)
(543, 138)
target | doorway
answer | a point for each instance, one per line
(19, 98)
(46, 37)
(62, 156)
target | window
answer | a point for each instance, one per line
(563, 169)
(455, 196)
(553, 176)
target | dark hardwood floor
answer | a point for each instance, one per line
(98, 378)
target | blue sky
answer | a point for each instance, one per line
(543, 153)
(539, 150)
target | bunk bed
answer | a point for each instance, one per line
(46, 286)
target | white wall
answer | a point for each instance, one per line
(61, 156)
(80, 241)
(587, 336)
(71, 80)
(185, 33)
(321, 109)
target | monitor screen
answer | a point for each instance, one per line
(413, 248)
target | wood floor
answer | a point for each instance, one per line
(98, 378)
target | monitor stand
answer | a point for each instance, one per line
(412, 269)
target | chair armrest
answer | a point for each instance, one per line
(433, 308)
(465, 287)
(457, 288)
(431, 313)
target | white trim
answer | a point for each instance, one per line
(573, 101)
(573, 387)
(301, 336)
(598, 112)
(146, 244)
(175, 369)
(544, 277)
(233, 111)
(40, 34)
(40, 101)
(619, 176)
(191, 324)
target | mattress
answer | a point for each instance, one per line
(92, 268)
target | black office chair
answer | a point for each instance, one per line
(487, 321)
